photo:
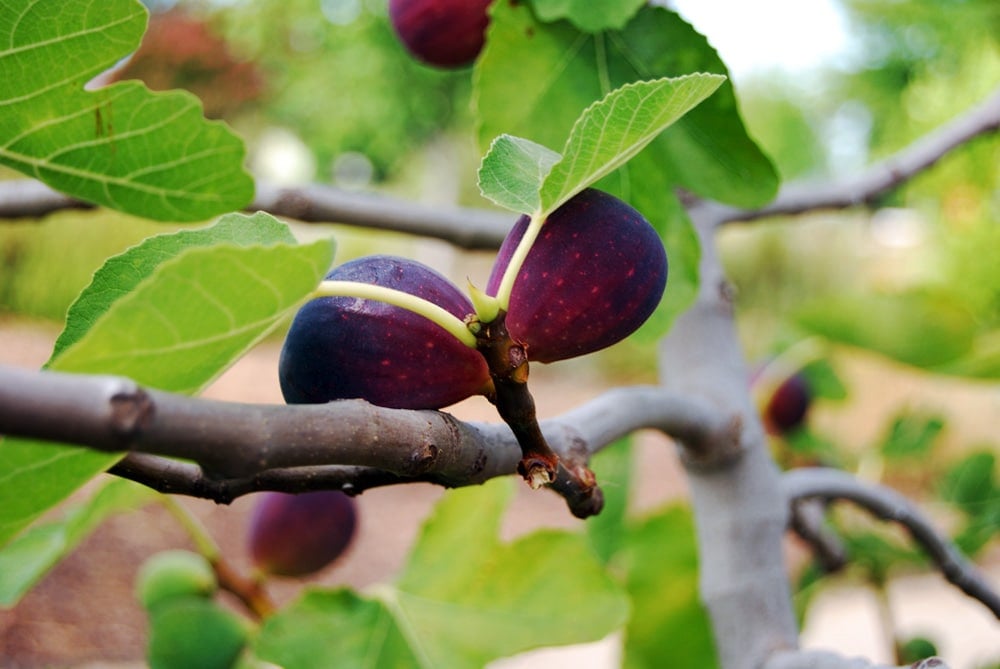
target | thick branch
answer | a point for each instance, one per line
(887, 504)
(866, 187)
(247, 447)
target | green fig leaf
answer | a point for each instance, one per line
(616, 128)
(123, 146)
(535, 79)
(587, 15)
(24, 561)
(668, 620)
(512, 173)
(463, 599)
(199, 310)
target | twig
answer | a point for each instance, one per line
(864, 188)
(887, 504)
(474, 228)
(807, 521)
(245, 447)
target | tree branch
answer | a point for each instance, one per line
(241, 448)
(887, 504)
(474, 228)
(879, 178)
(815, 659)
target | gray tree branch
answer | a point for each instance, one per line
(887, 504)
(473, 228)
(878, 179)
(813, 659)
(240, 448)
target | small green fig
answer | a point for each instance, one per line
(195, 633)
(172, 574)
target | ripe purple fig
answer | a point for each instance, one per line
(349, 347)
(297, 535)
(443, 33)
(595, 273)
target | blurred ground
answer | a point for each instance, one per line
(84, 615)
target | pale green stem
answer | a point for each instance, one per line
(517, 259)
(398, 298)
(203, 541)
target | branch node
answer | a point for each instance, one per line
(131, 414)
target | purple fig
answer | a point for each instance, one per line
(297, 535)
(443, 33)
(787, 407)
(348, 347)
(595, 273)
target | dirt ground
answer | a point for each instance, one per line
(83, 614)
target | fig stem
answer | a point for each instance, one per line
(249, 592)
(517, 259)
(454, 325)
(508, 364)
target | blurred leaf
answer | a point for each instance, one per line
(123, 146)
(911, 436)
(24, 561)
(607, 530)
(982, 360)
(587, 15)
(534, 80)
(181, 326)
(668, 619)
(876, 554)
(512, 173)
(915, 649)
(336, 626)
(914, 328)
(462, 600)
(823, 381)
(971, 484)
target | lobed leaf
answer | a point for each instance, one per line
(123, 146)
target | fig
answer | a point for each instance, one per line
(195, 633)
(443, 33)
(595, 273)
(788, 405)
(297, 535)
(349, 347)
(172, 574)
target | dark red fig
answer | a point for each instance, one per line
(347, 347)
(443, 33)
(297, 535)
(595, 274)
(786, 409)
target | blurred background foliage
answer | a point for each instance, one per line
(323, 92)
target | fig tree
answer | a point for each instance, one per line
(297, 535)
(352, 347)
(595, 273)
(443, 33)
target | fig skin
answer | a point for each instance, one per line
(172, 574)
(346, 348)
(786, 409)
(595, 273)
(443, 33)
(298, 535)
